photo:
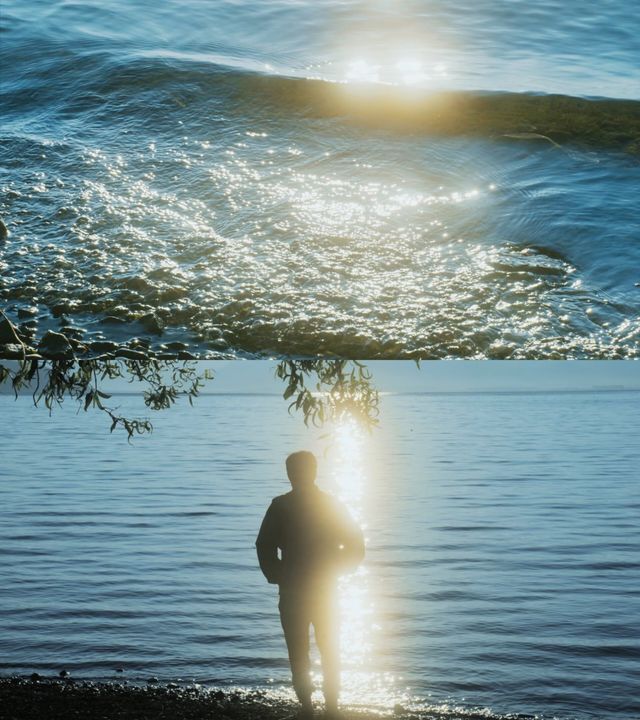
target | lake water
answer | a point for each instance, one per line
(272, 177)
(503, 548)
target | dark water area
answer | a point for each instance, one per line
(502, 549)
(414, 179)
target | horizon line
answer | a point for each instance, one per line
(497, 391)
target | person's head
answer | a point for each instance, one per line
(302, 467)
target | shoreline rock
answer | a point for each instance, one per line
(19, 342)
(65, 699)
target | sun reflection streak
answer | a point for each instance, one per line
(347, 476)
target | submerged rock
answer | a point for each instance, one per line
(55, 345)
(131, 354)
(4, 232)
(13, 351)
(27, 312)
(7, 332)
(60, 309)
(152, 323)
(113, 320)
(100, 347)
(72, 331)
(136, 343)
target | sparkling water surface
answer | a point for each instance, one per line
(502, 548)
(223, 167)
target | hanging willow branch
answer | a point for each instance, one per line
(326, 390)
(323, 390)
(51, 381)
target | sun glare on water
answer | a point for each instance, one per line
(389, 85)
(348, 474)
(402, 68)
(404, 72)
(348, 463)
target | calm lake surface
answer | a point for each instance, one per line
(503, 548)
(263, 178)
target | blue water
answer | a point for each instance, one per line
(502, 560)
(270, 177)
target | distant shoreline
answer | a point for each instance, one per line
(386, 393)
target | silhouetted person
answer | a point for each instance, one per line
(318, 541)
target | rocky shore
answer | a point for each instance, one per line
(67, 699)
(64, 698)
(20, 341)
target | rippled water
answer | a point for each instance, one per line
(501, 570)
(273, 177)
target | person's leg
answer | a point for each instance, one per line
(295, 623)
(327, 631)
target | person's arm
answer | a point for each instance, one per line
(267, 547)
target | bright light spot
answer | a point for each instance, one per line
(362, 71)
(400, 66)
(410, 72)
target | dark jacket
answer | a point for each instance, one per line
(317, 539)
